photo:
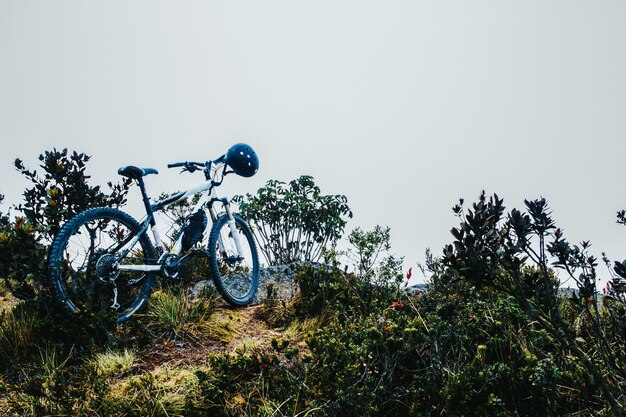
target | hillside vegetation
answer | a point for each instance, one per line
(333, 334)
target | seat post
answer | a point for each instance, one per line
(146, 200)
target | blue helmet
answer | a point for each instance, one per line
(242, 159)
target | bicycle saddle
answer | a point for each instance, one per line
(134, 172)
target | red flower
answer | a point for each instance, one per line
(408, 274)
(397, 305)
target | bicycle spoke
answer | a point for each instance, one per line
(236, 274)
(85, 274)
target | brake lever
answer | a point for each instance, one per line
(189, 168)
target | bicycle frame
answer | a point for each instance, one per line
(206, 201)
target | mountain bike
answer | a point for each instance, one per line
(103, 260)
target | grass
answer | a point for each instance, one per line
(164, 391)
(53, 362)
(275, 311)
(7, 301)
(110, 363)
(44, 388)
(178, 316)
(17, 334)
(121, 380)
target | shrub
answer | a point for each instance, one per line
(494, 250)
(491, 335)
(294, 222)
(52, 199)
(63, 191)
(51, 386)
(371, 257)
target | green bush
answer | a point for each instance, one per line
(53, 198)
(512, 253)
(492, 335)
(294, 222)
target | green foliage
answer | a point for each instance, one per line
(63, 191)
(372, 287)
(368, 246)
(453, 350)
(330, 291)
(294, 222)
(22, 258)
(617, 284)
(175, 315)
(492, 335)
(52, 199)
(369, 252)
(17, 334)
(111, 363)
(492, 250)
(50, 387)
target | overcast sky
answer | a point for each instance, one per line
(403, 106)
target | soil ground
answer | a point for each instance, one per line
(247, 330)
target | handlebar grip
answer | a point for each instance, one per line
(176, 164)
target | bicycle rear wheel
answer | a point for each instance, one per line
(81, 263)
(236, 277)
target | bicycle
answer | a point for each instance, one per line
(103, 255)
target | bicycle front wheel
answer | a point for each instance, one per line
(82, 264)
(236, 275)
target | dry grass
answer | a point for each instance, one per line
(165, 391)
(110, 363)
(180, 317)
(16, 334)
(7, 301)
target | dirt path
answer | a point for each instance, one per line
(245, 328)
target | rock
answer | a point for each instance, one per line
(282, 278)
(280, 275)
(416, 288)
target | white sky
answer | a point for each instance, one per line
(403, 106)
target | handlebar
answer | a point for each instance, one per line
(190, 166)
(186, 164)
(196, 165)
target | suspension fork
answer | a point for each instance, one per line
(233, 229)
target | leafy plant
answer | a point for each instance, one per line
(493, 250)
(62, 191)
(370, 254)
(294, 222)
